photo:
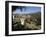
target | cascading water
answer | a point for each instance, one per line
(22, 21)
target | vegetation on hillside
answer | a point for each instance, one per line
(32, 23)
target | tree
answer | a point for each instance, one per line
(18, 7)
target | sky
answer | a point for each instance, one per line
(27, 9)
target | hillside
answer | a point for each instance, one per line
(31, 22)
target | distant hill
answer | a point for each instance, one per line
(36, 15)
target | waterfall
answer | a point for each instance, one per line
(22, 21)
(13, 16)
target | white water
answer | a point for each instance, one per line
(22, 21)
